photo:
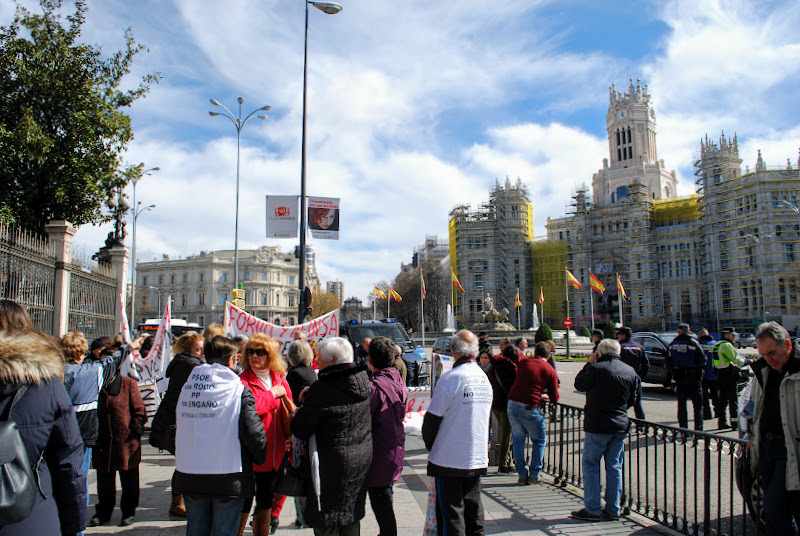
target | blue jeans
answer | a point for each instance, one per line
(526, 422)
(777, 501)
(87, 462)
(608, 446)
(209, 516)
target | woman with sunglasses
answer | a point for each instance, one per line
(265, 375)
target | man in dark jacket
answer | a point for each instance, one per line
(501, 374)
(217, 411)
(709, 384)
(688, 360)
(611, 388)
(632, 353)
(387, 407)
(336, 409)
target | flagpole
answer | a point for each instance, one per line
(591, 299)
(374, 304)
(566, 294)
(541, 303)
(388, 303)
(619, 300)
(422, 307)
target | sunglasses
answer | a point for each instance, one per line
(260, 352)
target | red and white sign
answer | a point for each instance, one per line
(567, 323)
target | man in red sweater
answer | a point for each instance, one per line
(535, 378)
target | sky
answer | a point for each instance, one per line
(418, 106)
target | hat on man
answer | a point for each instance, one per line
(683, 326)
(97, 344)
(728, 330)
(624, 330)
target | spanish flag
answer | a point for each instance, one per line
(517, 301)
(621, 289)
(571, 280)
(541, 295)
(394, 295)
(422, 281)
(379, 293)
(595, 283)
(455, 281)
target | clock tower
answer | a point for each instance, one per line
(631, 127)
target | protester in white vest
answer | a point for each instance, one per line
(216, 416)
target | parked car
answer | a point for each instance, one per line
(656, 350)
(745, 340)
(417, 363)
(442, 345)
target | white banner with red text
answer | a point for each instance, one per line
(239, 322)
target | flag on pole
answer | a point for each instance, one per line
(541, 295)
(621, 289)
(455, 281)
(595, 283)
(394, 295)
(422, 280)
(379, 293)
(517, 301)
(571, 280)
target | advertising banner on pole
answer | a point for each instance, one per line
(238, 322)
(323, 217)
(282, 216)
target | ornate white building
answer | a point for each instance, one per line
(201, 284)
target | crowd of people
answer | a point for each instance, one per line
(236, 410)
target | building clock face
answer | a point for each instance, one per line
(622, 114)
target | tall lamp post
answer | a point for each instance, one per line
(137, 210)
(239, 124)
(159, 297)
(330, 8)
(135, 180)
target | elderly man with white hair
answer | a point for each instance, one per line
(611, 387)
(456, 432)
(336, 409)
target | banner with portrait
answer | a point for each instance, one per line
(323, 217)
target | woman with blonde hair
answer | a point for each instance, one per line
(212, 330)
(188, 351)
(265, 375)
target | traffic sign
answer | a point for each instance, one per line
(567, 323)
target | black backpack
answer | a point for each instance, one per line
(18, 486)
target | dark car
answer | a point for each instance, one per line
(442, 345)
(656, 350)
(417, 363)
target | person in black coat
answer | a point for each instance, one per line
(47, 426)
(336, 409)
(188, 350)
(301, 374)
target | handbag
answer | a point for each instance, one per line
(285, 413)
(289, 480)
(18, 487)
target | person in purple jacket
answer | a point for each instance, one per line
(387, 404)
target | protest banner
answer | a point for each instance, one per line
(239, 322)
(151, 369)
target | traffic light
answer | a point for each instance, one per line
(238, 297)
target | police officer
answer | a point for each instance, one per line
(632, 353)
(710, 387)
(727, 362)
(688, 361)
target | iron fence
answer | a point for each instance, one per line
(92, 299)
(683, 479)
(27, 273)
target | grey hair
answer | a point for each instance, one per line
(608, 346)
(240, 339)
(774, 331)
(462, 348)
(300, 354)
(335, 351)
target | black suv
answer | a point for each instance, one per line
(416, 361)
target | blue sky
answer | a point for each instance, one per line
(418, 106)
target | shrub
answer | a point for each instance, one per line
(584, 332)
(608, 330)
(544, 333)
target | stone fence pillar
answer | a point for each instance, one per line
(60, 234)
(119, 262)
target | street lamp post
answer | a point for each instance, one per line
(330, 8)
(239, 124)
(138, 209)
(135, 180)
(159, 296)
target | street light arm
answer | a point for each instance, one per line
(791, 206)
(246, 119)
(227, 116)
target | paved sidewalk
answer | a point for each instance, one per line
(539, 510)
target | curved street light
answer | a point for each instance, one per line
(159, 297)
(135, 180)
(330, 8)
(239, 124)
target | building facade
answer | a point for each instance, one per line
(201, 284)
(490, 253)
(336, 288)
(726, 255)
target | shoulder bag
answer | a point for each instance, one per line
(18, 486)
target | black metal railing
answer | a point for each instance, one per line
(683, 479)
